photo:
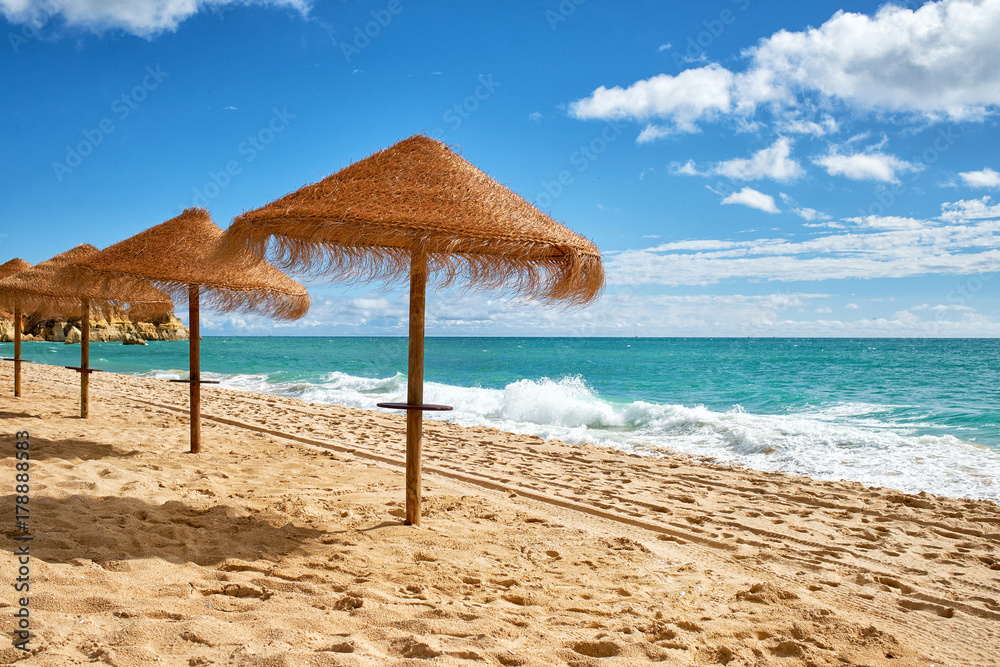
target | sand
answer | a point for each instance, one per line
(283, 544)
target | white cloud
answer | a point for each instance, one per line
(868, 166)
(664, 47)
(938, 61)
(690, 96)
(535, 116)
(970, 209)
(964, 247)
(139, 17)
(852, 306)
(829, 224)
(987, 178)
(686, 169)
(810, 214)
(773, 162)
(944, 307)
(753, 199)
(888, 222)
(827, 125)
(653, 132)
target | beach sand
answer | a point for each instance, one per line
(283, 544)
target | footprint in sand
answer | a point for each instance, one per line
(596, 649)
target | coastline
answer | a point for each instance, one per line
(282, 544)
(115, 329)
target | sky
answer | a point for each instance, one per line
(746, 168)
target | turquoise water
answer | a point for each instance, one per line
(913, 414)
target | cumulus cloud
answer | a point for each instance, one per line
(970, 209)
(683, 99)
(867, 166)
(686, 169)
(810, 214)
(987, 178)
(144, 18)
(753, 199)
(774, 162)
(937, 61)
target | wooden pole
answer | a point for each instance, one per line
(17, 350)
(195, 376)
(85, 359)
(415, 385)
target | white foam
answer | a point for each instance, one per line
(853, 441)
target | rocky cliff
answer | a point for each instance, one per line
(115, 329)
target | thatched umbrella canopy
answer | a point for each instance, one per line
(179, 256)
(8, 269)
(51, 289)
(12, 267)
(417, 210)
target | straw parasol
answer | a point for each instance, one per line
(414, 210)
(50, 289)
(8, 269)
(179, 257)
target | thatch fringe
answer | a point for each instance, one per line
(181, 252)
(365, 221)
(49, 289)
(273, 303)
(520, 268)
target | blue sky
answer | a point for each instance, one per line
(747, 168)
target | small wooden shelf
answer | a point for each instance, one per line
(422, 406)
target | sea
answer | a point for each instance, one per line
(910, 414)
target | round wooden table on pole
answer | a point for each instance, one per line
(17, 351)
(194, 334)
(85, 359)
(414, 405)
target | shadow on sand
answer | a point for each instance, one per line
(109, 528)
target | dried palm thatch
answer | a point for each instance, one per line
(13, 267)
(365, 221)
(179, 253)
(52, 289)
